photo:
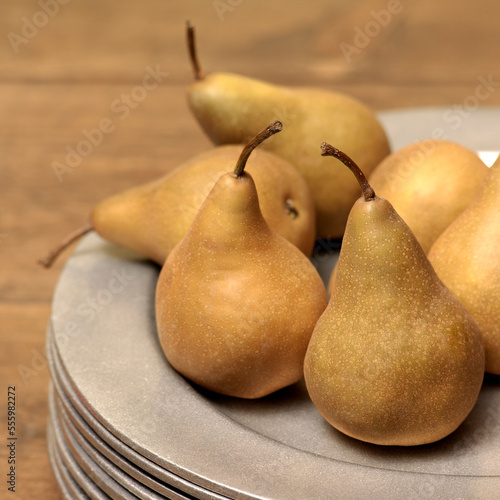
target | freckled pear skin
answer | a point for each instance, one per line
(395, 359)
(229, 106)
(236, 303)
(467, 258)
(429, 183)
(152, 218)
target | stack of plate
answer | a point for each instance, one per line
(123, 424)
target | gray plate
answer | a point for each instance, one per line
(473, 129)
(118, 484)
(77, 480)
(68, 486)
(121, 455)
(129, 479)
(277, 447)
(117, 467)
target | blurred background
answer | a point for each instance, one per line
(67, 65)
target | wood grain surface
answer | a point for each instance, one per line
(65, 66)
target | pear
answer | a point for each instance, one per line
(467, 259)
(236, 303)
(229, 107)
(151, 219)
(429, 183)
(395, 358)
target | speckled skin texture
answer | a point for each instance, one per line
(152, 218)
(395, 359)
(236, 303)
(230, 107)
(429, 183)
(467, 258)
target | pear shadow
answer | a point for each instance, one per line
(378, 452)
(491, 380)
(450, 454)
(324, 257)
(94, 246)
(117, 252)
(455, 454)
(287, 398)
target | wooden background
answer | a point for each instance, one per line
(64, 65)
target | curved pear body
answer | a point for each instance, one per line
(235, 302)
(395, 359)
(228, 107)
(429, 183)
(467, 259)
(152, 218)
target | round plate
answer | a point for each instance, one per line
(130, 478)
(474, 130)
(76, 478)
(117, 482)
(278, 447)
(127, 459)
(99, 443)
(68, 486)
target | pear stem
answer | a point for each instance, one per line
(49, 259)
(193, 55)
(329, 150)
(272, 129)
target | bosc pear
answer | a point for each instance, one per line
(229, 107)
(429, 183)
(395, 359)
(235, 302)
(150, 219)
(467, 259)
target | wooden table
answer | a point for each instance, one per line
(67, 65)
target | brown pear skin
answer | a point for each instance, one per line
(467, 259)
(331, 281)
(235, 302)
(151, 219)
(395, 359)
(229, 107)
(166, 207)
(429, 183)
